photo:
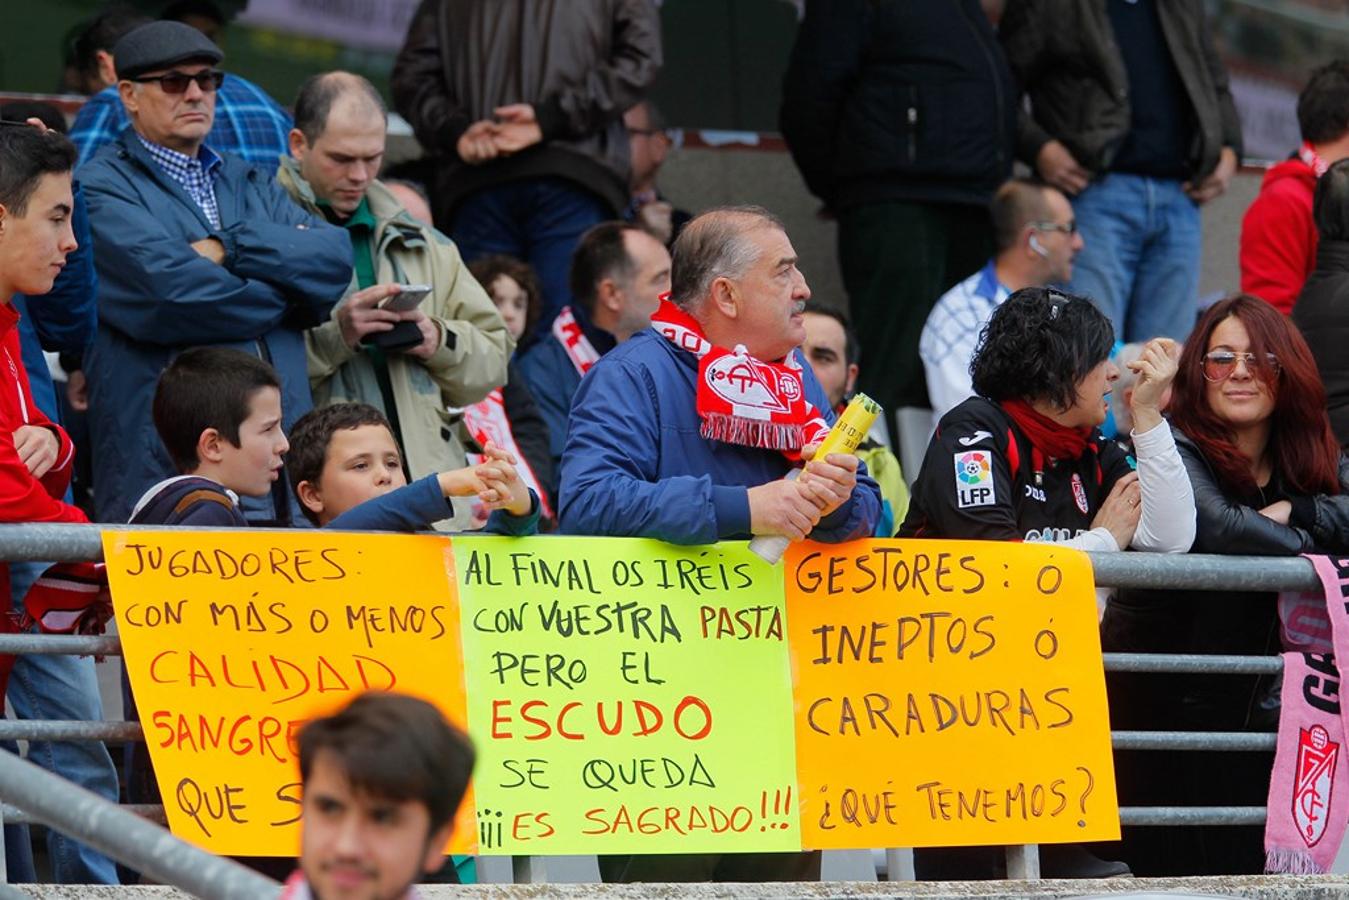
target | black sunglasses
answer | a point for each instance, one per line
(176, 82)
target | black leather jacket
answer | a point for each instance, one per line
(580, 63)
(1217, 622)
(1234, 525)
(1322, 314)
(1064, 55)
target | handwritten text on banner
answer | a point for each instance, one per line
(234, 640)
(961, 682)
(627, 696)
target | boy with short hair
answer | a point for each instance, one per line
(347, 473)
(218, 413)
(382, 780)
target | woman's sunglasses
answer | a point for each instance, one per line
(1220, 364)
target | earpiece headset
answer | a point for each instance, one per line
(1037, 247)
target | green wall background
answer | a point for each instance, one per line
(723, 58)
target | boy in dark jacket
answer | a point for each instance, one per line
(218, 413)
(348, 475)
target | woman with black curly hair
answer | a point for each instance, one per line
(1024, 461)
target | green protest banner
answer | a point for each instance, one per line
(627, 696)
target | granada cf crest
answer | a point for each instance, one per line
(740, 382)
(1317, 756)
(1080, 494)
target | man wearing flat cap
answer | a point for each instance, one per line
(192, 247)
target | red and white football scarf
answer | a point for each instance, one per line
(742, 400)
(1309, 156)
(486, 421)
(1308, 807)
(573, 339)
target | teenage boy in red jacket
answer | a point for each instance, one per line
(36, 203)
(35, 238)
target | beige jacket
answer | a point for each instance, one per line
(475, 345)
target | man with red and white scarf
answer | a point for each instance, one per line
(686, 431)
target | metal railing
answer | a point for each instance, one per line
(125, 836)
(27, 802)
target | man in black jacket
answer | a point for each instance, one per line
(901, 115)
(522, 106)
(1322, 311)
(1132, 117)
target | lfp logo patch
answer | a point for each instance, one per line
(974, 479)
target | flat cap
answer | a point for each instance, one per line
(158, 45)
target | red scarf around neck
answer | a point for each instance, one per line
(743, 400)
(1308, 155)
(1053, 440)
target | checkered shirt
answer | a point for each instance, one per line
(248, 123)
(196, 174)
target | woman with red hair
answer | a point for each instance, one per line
(1249, 413)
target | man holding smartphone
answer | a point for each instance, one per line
(411, 352)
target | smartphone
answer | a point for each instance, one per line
(408, 296)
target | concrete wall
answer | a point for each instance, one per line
(698, 178)
(1281, 887)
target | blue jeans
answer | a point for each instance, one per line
(538, 220)
(1140, 259)
(63, 687)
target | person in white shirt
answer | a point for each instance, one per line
(1036, 239)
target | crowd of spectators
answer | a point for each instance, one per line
(254, 327)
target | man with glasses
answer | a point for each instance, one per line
(1036, 240)
(192, 247)
(648, 209)
(248, 122)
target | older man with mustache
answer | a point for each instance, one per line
(686, 431)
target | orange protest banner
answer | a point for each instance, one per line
(948, 693)
(233, 640)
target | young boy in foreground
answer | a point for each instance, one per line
(218, 413)
(347, 474)
(382, 780)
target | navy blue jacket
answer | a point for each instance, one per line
(637, 466)
(418, 506)
(284, 269)
(189, 500)
(553, 380)
(63, 319)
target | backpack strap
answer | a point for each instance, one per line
(202, 495)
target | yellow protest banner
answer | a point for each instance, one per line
(233, 640)
(948, 693)
(627, 696)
